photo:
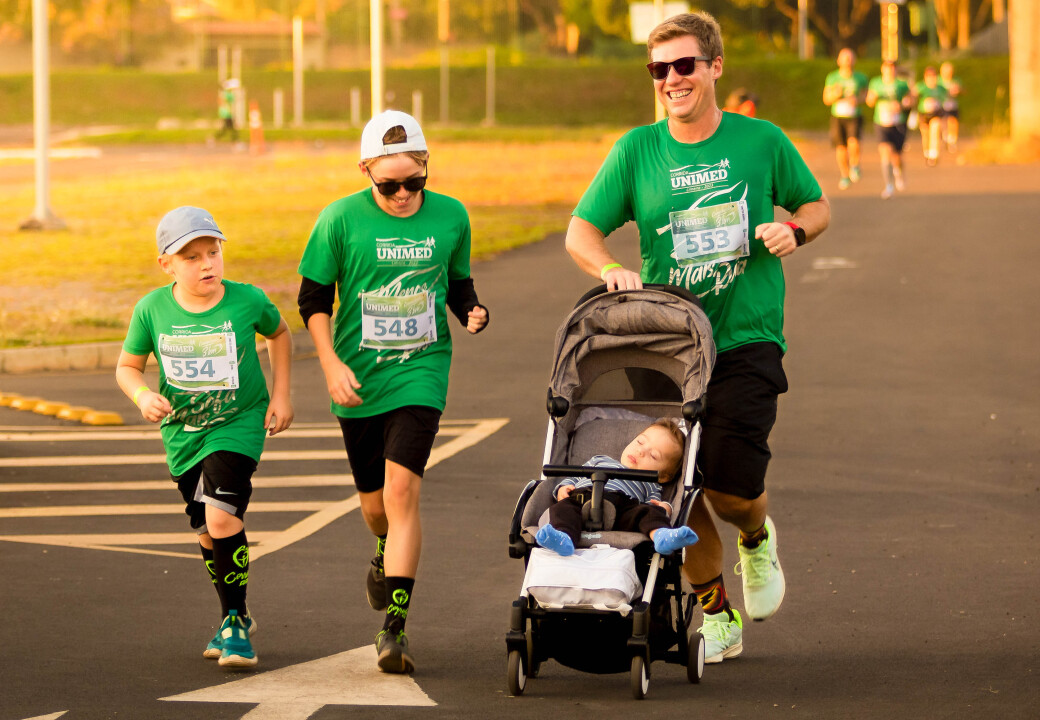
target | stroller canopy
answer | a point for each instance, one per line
(659, 328)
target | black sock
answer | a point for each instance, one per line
(207, 557)
(231, 562)
(753, 539)
(399, 595)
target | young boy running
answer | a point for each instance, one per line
(212, 401)
(400, 256)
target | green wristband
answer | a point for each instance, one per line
(606, 269)
(138, 391)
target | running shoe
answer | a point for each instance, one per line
(900, 183)
(375, 585)
(888, 192)
(762, 577)
(213, 648)
(236, 652)
(844, 183)
(854, 174)
(393, 652)
(723, 636)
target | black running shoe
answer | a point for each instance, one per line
(393, 652)
(375, 586)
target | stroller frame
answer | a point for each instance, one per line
(657, 625)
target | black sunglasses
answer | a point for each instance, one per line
(390, 187)
(684, 66)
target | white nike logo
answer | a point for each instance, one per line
(224, 492)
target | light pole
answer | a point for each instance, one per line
(376, 41)
(42, 217)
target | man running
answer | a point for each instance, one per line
(844, 91)
(701, 185)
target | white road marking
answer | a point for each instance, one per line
(264, 543)
(131, 510)
(52, 716)
(298, 691)
(259, 481)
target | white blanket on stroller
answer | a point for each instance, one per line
(600, 577)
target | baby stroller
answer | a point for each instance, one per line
(621, 360)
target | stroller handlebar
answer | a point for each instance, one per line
(604, 473)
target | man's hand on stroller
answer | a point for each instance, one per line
(618, 278)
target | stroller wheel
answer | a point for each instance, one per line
(639, 678)
(533, 665)
(695, 661)
(517, 673)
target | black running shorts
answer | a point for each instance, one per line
(894, 135)
(740, 413)
(844, 128)
(223, 479)
(404, 436)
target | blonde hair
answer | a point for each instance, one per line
(394, 135)
(701, 26)
(676, 434)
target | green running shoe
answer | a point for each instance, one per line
(723, 636)
(236, 651)
(214, 646)
(393, 652)
(375, 584)
(763, 579)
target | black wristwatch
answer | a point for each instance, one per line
(799, 233)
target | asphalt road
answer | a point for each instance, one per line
(904, 487)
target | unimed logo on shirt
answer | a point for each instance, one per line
(403, 251)
(693, 177)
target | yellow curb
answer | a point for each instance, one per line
(7, 398)
(96, 417)
(48, 407)
(25, 403)
(73, 413)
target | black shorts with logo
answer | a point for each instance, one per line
(223, 479)
(404, 435)
(740, 413)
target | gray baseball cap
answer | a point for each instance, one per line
(182, 225)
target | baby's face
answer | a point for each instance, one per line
(653, 449)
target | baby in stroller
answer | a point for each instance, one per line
(638, 505)
(600, 596)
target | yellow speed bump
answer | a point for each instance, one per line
(48, 407)
(7, 398)
(72, 413)
(25, 403)
(97, 417)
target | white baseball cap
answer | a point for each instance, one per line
(372, 136)
(182, 225)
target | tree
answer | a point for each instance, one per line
(956, 20)
(842, 23)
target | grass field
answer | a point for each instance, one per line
(613, 94)
(80, 284)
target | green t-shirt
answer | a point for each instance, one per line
(930, 99)
(848, 105)
(391, 327)
(712, 194)
(888, 107)
(208, 370)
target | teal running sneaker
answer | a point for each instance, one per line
(723, 636)
(762, 577)
(214, 646)
(393, 652)
(236, 652)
